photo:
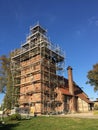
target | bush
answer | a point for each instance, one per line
(96, 107)
(15, 117)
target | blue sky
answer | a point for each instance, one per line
(73, 24)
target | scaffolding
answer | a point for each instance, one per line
(36, 68)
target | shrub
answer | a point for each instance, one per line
(96, 107)
(15, 117)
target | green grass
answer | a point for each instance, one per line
(95, 112)
(52, 123)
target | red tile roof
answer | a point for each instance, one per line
(80, 95)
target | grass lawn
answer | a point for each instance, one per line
(52, 123)
(95, 112)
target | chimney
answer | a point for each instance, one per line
(71, 90)
(70, 80)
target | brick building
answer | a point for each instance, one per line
(38, 72)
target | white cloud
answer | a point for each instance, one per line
(78, 32)
(96, 22)
(93, 21)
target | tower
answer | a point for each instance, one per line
(35, 68)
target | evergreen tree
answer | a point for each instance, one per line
(6, 80)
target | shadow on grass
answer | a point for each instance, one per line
(8, 126)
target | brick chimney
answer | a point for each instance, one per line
(70, 80)
(71, 89)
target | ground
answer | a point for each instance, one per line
(80, 121)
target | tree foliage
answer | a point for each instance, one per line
(6, 83)
(6, 80)
(4, 65)
(93, 77)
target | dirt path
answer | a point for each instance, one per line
(82, 115)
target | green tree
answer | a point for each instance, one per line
(6, 80)
(3, 72)
(93, 77)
